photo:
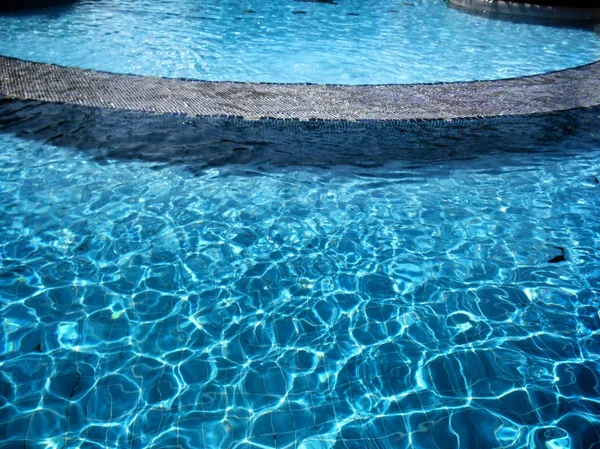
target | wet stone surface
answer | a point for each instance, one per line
(569, 89)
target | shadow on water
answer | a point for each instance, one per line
(201, 143)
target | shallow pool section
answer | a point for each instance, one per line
(146, 304)
(342, 41)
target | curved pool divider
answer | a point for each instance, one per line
(539, 94)
(529, 9)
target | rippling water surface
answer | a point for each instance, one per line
(342, 41)
(150, 304)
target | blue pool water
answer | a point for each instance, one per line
(156, 300)
(351, 41)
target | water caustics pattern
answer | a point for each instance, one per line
(340, 42)
(436, 305)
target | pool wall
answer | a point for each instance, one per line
(205, 142)
(533, 9)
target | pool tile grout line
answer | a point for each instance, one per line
(445, 102)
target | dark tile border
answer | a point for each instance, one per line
(556, 91)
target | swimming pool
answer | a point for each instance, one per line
(342, 42)
(174, 281)
(201, 284)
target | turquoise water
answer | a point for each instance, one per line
(351, 41)
(219, 297)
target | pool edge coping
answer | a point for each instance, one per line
(514, 8)
(561, 90)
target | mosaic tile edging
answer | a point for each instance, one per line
(538, 94)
